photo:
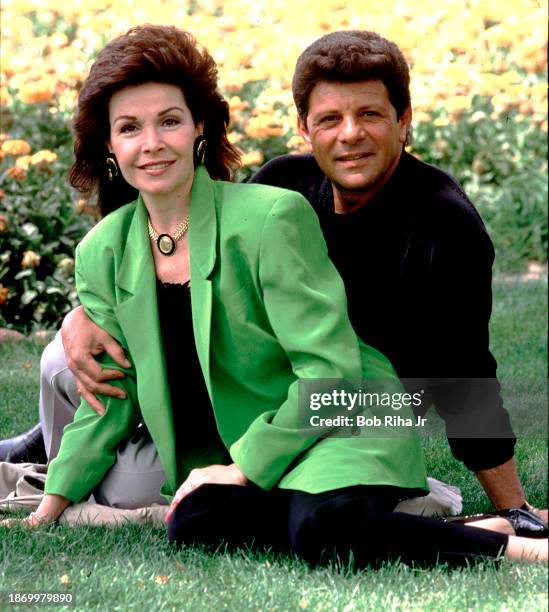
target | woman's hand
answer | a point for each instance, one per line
(213, 474)
(51, 507)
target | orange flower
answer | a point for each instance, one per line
(4, 294)
(3, 222)
(16, 147)
(16, 173)
(30, 260)
(37, 91)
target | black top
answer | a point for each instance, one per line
(197, 440)
(416, 262)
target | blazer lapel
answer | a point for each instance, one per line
(202, 248)
(137, 314)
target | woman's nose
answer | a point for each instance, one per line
(152, 140)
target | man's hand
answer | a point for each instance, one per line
(213, 474)
(82, 340)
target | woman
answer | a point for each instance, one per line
(268, 310)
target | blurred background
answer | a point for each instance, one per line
(479, 74)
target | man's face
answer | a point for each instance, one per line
(355, 135)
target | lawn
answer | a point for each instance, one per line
(132, 567)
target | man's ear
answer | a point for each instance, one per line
(405, 122)
(303, 132)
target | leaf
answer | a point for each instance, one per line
(28, 296)
(23, 274)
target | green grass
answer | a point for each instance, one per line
(132, 567)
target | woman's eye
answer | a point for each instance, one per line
(127, 128)
(170, 121)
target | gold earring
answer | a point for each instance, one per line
(112, 168)
(200, 146)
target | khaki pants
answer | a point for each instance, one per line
(135, 479)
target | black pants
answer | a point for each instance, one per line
(320, 527)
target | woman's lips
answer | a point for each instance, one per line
(156, 167)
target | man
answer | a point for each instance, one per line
(412, 250)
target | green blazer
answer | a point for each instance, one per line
(268, 309)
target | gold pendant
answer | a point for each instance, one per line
(166, 244)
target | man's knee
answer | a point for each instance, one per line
(54, 372)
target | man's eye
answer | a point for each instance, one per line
(370, 113)
(328, 119)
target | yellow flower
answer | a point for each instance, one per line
(441, 122)
(264, 126)
(15, 147)
(234, 137)
(43, 156)
(66, 266)
(30, 260)
(296, 144)
(23, 162)
(422, 117)
(253, 158)
(43, 159)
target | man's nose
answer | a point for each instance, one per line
(351, 129)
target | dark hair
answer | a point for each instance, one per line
(147, 53)
(349, 56)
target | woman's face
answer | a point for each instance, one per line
(152, 137)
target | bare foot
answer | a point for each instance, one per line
(527, 549)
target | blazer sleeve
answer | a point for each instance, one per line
(305, 302)
(88, 446)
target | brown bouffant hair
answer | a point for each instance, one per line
(350, 56)
(147, 53)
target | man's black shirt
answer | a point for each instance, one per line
(416, 262)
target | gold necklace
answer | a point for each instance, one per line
(166, 244)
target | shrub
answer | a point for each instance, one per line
(40, 224)
(501, 163)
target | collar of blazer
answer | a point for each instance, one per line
(137, 311)
(202, 236)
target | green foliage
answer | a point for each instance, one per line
(501, 163)
(41, 228)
